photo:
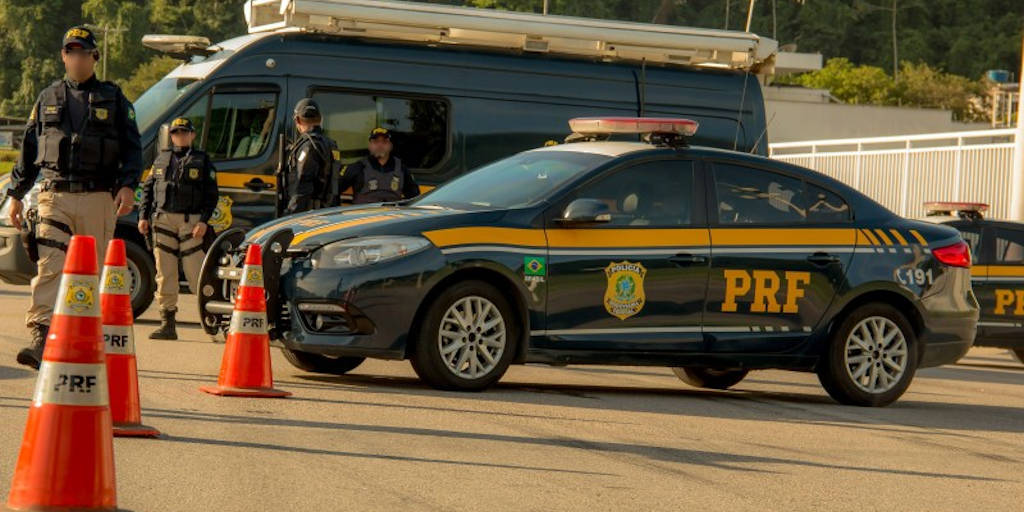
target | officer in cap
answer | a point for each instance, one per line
(310, 161)
(82, 137)
(379, 177)
(178, 199)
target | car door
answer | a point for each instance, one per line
(237, 125)
(999, 282)
(780, 247)
(636, 282)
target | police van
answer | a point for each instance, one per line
(997, 276)
(598, 251)
(457, 88)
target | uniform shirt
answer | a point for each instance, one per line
(352, 176)
(169, 200)
(25, 171)
(309, 161)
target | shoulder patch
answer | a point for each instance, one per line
(343, 169)
(131, 112)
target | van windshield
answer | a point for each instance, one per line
(154, 102)
(517, 181)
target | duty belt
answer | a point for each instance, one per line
(76, 187)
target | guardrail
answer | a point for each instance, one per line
(903, 172)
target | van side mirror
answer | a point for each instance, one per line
(586, 211)
(163, 140)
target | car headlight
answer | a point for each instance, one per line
(361, 252)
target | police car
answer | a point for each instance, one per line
(998, 276)
(600, 251)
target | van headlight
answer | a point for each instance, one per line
(362, 252)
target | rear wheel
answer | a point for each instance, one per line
(141, 277)
(871, 357)
(710, 378)
(467, 338)
(317, 363)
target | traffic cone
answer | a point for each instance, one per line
(67, 452)
(119, 338)
(245, 367)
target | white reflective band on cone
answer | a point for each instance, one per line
(252, 276)
(77, 296)
(71, 384)
(248, 322)
(115, 281)
(119, 339)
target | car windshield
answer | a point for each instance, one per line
(516, 181)
(154, 102)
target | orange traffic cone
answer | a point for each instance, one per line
(245, 368)
(122, 369)
(67, 452)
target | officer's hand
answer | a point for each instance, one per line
(124, 201)
(199, 230)
(144, 227)
(16, 218)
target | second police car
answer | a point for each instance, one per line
(653, 253)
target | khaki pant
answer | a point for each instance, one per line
(173, 241)
(62, 214)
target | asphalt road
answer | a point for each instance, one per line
(575, 438)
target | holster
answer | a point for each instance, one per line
(28, 240)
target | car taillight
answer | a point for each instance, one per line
(956, 255)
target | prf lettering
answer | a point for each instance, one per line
(765, 286)
(1007, 298)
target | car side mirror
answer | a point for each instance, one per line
(586, 211)
(163, 141)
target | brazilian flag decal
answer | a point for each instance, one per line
(534, 266)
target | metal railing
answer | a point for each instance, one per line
(903, 172)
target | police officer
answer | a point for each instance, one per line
(310, 161)
(179, 197)
(379, 177)
(82, 137)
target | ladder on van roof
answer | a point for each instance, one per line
(529, 32)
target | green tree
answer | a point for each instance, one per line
(848, 82)
(148, 74)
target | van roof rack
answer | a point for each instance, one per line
(528, 32)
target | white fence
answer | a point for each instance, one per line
(903, 172)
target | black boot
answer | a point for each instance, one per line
(166, 330)
(32, 355)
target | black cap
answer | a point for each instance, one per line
(81, 36)
(182, 123)
(380, 132)
(306, 108)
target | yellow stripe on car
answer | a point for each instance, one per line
(899, 238)
(882, 237)
(340, 225)
(783, 237)
(486, 235)
(920, 239)
(870, 236)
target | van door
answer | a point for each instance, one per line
(237, 125)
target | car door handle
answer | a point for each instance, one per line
(684, 259)
(256, 185)
(823, 258)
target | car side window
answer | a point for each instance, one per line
(972, 235)
(1009, 246)
(754, 196)
(825, 206)
(650, 194)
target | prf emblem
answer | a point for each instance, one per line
(102, 114)
(221, 218)
(766, 286)
(115, 281)
(395, 183)
(624, 296)
(80, 297)
(253, 277)
(193, 173)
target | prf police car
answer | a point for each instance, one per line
(711, 262)
(998, 276)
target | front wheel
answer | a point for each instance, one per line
(710, 378)
(317, 363)
(141, 277)
(871, 358)
(467, 338)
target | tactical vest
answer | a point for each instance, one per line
(379, 186)
(91, 153)
(323, 147)
(181, 187)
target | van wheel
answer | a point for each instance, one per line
(871, 358)
(710, 378)
(1018, 353)
(141, 277)
(317, 363)
(467, 338)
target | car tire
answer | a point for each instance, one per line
(1018, 353)
(710, 378)
(142, 276)
(448, 354)
(860, 367)
(317, 363)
